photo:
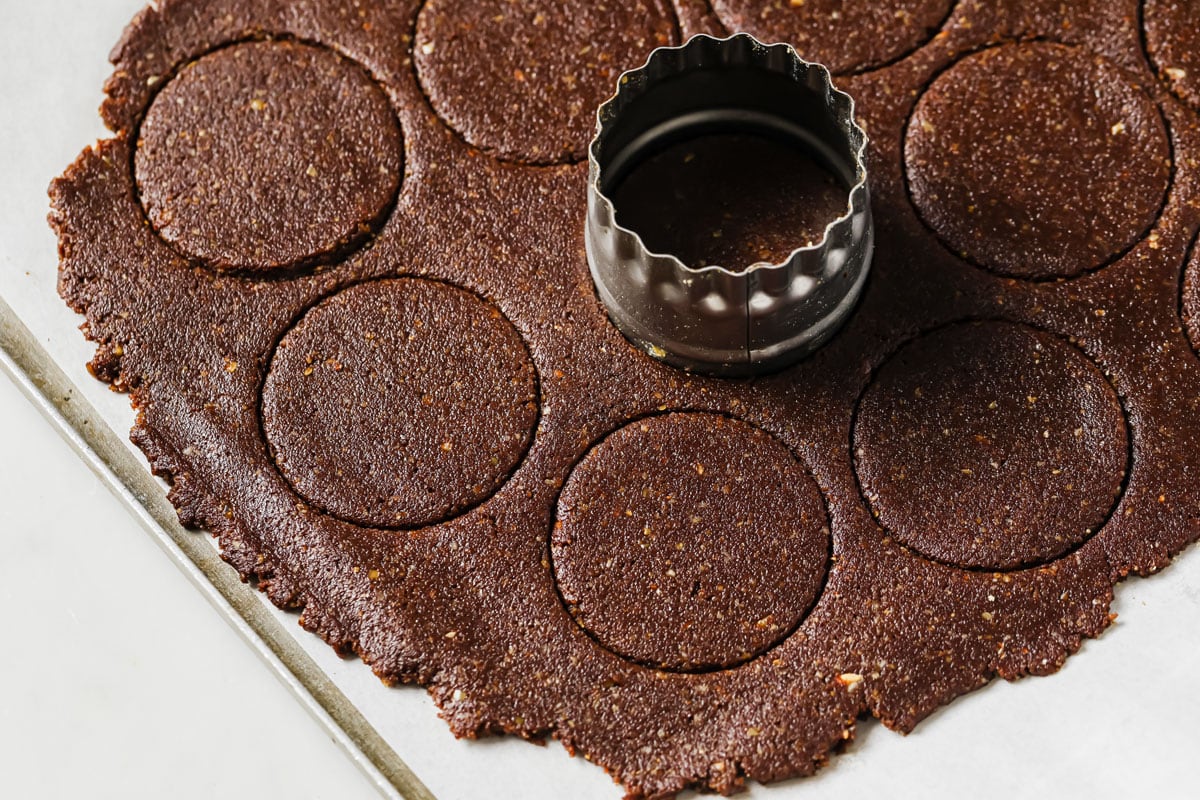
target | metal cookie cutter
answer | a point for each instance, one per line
(713, 319)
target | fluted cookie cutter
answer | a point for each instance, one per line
(714, 319)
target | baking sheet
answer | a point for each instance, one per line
(1117, 719)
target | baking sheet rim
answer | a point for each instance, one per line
(59, 400)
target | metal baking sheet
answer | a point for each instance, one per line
(1116, 720)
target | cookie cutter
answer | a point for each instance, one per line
(713, 319)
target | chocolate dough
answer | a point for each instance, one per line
(398, 403)
(996, 139)
(990, 445)
(669, 537)
(729, 199)
(844, 35)
(268, 155)
(523, 80)
(1173, 44)
(212, 281)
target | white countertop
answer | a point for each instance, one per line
(117, 679)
